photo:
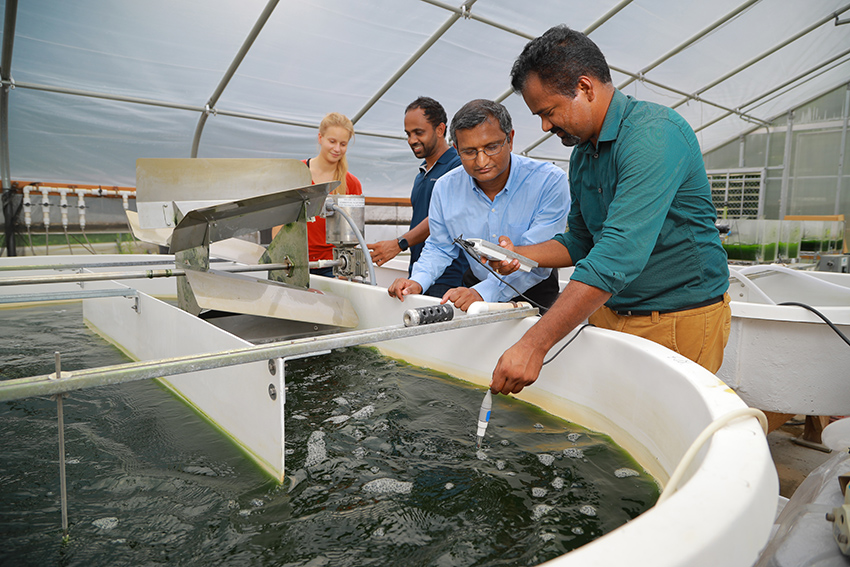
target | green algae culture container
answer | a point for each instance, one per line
(835, 236)
(742, 242)
(790, 232)
(768, 238)
(812, 240)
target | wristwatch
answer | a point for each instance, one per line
(402, 243)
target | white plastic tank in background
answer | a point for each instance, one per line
(784, 358)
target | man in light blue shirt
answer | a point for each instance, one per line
(495, 193)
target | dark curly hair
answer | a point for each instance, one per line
(559, 57)
(435, 114)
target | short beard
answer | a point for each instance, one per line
(568, 139)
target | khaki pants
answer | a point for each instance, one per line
(698, 334)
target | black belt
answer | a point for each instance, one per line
(643, 313)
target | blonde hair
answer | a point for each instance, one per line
(340, 120)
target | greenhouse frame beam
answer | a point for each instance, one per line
(240, 55)
(641, 75)
(777, 88)
(690, 41)
(696, 98)
(809, 100)
(763, 55)
(5, 160)
(177, 106)
(461, 12)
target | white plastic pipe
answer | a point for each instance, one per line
(479, 307)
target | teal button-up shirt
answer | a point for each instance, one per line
(641, 226)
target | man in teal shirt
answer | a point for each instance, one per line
(647, 256)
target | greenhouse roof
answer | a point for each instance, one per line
(100, 83)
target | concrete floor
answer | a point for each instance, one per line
(793, 462)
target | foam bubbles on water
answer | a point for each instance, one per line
(341, 401)
(256, 503)
(577, 530)
(298, 416)
(481, 455)
(379, 532)
(105, 523)
(558, 483)
(539, 511)
(500, 464)
(573, 436)
(449, 486)
(388, 486)
(538, 492)
(538, 426)
(587, 510)
(337, 419)
(625, 473)
(363, 413)
(204, 471)
(573, 453)
(546, 459)
(316, 451)
(374, 470)
(359, 453)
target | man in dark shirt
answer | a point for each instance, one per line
(425, 125)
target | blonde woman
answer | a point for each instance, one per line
(336, 132)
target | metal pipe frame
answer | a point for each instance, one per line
(841, 150)
(9, 22)
(177, 106)
(690, 41)
(763, 55)
(465, 7)
(777, 88)
(240, 55)
(786, 167)
(146, 274)
(20, 388)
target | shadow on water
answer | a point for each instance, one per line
(381, 468)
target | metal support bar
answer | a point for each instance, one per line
(786, 166)
(5, 161)
(690, 41)
(841, 151)
(44, 385)
(762, 56)
(411, 60)
(176, 106)
(246, 45)
(63, 490)
(66, 295)
(150, 274)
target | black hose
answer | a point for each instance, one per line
(822, 316)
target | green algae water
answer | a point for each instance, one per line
(381, 468)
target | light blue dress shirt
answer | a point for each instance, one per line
(531, 208)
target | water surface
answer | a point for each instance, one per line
(381, 468)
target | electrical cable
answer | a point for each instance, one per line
(467, 247)
(822, 316)
(566, 344)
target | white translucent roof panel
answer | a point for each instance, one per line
(317, 56)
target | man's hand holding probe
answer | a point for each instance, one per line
(520, 365)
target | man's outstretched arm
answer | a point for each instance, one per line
(520, 365)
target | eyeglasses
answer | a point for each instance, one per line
(489, 149)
